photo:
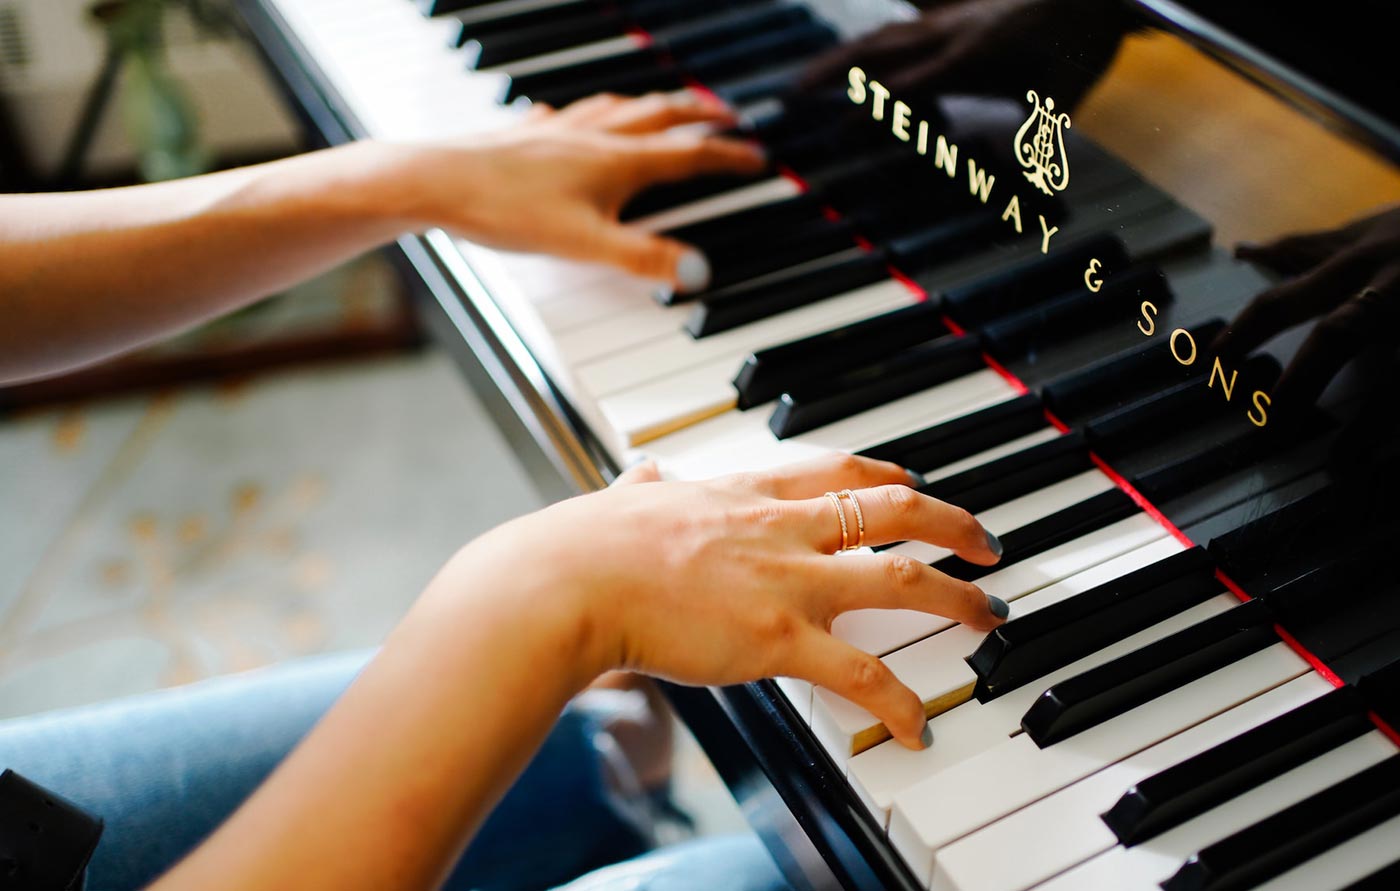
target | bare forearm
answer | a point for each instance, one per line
(386, 791)
(87, 275)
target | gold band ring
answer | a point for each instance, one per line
(837, 500)
(860, 518)
(841, 514)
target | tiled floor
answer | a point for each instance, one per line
(156, 540)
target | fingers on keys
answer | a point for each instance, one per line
(864, 680)
(895, 581)
(829, 473)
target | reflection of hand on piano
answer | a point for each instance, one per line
(730, 580)
(1350, 277)
(555, 183)
(985, 47)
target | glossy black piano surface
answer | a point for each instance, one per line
(1163, 224)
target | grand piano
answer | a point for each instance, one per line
(1116, 275)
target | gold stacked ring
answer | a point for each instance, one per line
(838, 500)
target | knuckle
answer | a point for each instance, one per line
(846, 465)
(903, 572)
(903, 501)
(867, 674)
(776, 627)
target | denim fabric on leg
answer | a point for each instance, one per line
(165, 769)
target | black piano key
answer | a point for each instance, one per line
(1380, 687)
(443, 7)
(1048, 639)
(1087, 700)
(670, 70)
(479, 24)
(1375, 654)
(561, 33)
(751, 87)
(1116, 379)
(651, 76)
(1250, 551)
(945, 242)
(768, 373)
(1186, 790)
(526, 34)
(566, 82)
(783, 249)
(760, 52)
(1296, 834)
(962, 437)
(1034, 538)
(761, 298)
(1243, 447)
(1021, 285)
(1159, 414)
(1025, 332)
(722, 232)
(1329, 626)
(838, 396)
(1014, 475)
(672, 195)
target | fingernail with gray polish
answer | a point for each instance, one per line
(916, 479)
(993, 543)
(998, 607)
(693, 271)
(927, 736)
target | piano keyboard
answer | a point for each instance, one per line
(1097, 740)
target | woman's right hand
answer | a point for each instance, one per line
(734, 579)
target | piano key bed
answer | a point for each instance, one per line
(1169, 705)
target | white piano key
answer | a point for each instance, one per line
(1014, 773)
(766, 191)
(799, 694)
(1061, 831)
(883, 631)
(936, 667)
(888, 771)
(574, 55)
(619, 331)
(1349, 862)
(1143, 867)
(647, 412)
(678, 351)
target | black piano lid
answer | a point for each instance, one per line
(1334, 67)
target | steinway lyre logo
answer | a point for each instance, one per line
(1040, 145)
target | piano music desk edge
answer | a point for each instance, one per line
(820, 819)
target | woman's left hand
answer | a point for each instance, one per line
(733, 579)
(556, 182)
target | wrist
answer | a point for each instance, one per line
(416, 186)
(548, 604)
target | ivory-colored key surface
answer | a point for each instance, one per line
(1145, 866)
(1014, 773)
(1059, 832)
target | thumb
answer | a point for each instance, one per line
(643, 472)
(654, 256)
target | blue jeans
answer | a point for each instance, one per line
(165, 769)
